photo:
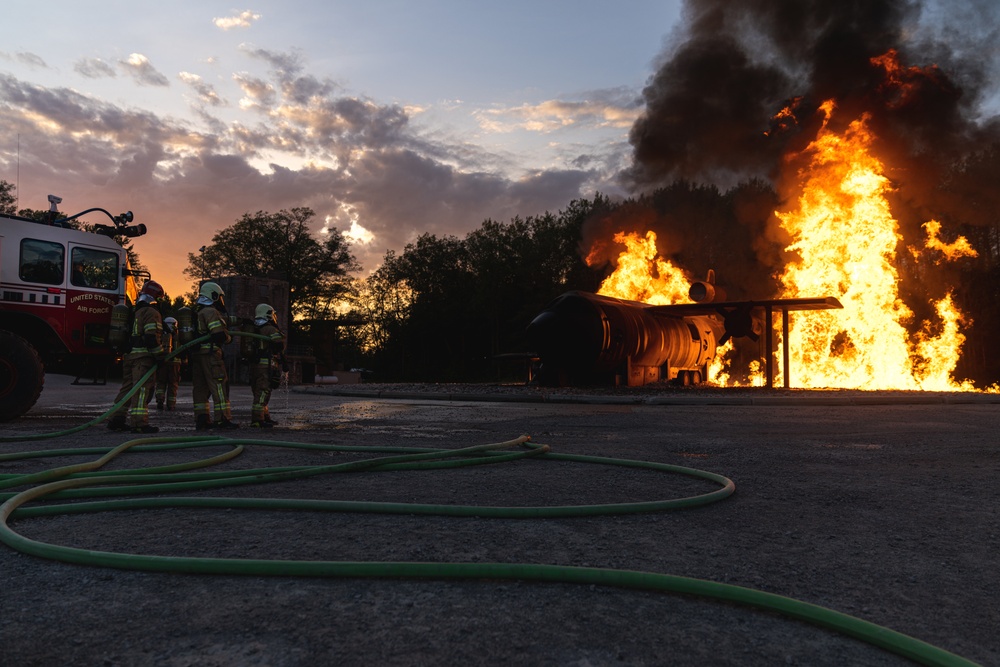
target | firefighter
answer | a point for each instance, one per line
(264, 368)
(208, 370)
(169, 373)
(147, 352)
(117, 420)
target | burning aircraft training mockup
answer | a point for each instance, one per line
(837, 152)
(584, 338)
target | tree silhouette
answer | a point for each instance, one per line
(281, 246)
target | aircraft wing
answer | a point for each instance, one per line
(690, 309)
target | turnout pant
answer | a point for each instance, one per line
(138, 413)
(260, 383)
(122, 412)
(208, 382)
(167, 379)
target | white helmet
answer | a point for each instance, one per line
(264, 314)
(210, 293)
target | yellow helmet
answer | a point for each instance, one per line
(265, 312)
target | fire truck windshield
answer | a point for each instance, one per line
(94, 268)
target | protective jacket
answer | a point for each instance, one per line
(147, 332)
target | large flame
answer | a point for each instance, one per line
(845, 238)
(844, 241)
(642, 275)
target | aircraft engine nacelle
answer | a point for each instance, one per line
(703, 291)
(582, 337)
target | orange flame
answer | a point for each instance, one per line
(960, 247)
(844, 241)
(846, 238)
(641, 275)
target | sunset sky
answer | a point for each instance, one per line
(389, 118)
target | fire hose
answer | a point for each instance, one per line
(86, 480)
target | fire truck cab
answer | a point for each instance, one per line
(57, 288)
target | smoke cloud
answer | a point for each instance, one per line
(739, 87)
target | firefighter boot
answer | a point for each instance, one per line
(202, 423)
(225, 423)
(118, 423)
(159, 404)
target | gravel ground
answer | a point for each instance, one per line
(881, 506)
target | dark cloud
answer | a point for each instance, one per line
(706, 112)
(737, 92)
(400, 194)
(67, 109)
(711, 104)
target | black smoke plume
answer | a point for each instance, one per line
(739, 88)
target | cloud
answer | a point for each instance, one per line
(94, 68)
(139, 68)
(242, 20)
(295, 140)
(287, 64)
(205, 91)
(553, 115)
(287, 68)
(257, 93)
(25, 58)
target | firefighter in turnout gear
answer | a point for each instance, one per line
(169, 373)
(118, 420)
(208, 371)
(147, 352)
(264, 364)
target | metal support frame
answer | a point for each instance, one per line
(769, 344)
(784, 305)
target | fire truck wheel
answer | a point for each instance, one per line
(21, 376)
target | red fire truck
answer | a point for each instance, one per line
(58, 285)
